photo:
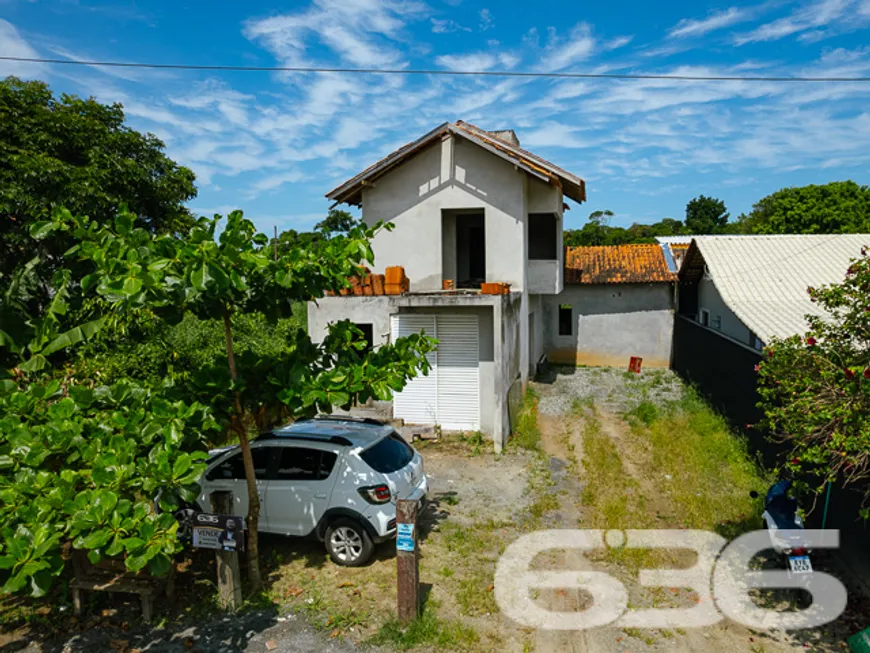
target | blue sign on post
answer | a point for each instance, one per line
(405, 537)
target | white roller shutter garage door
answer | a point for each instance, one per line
(450, 394)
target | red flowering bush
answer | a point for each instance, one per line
(815, 388)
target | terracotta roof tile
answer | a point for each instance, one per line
(617, 264)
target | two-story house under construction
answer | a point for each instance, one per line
(469, 206)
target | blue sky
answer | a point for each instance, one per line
(273, 144)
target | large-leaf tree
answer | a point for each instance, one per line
(83, 463)
(815, 388)
(217, 275)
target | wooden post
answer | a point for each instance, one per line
(228, 574)
(407, 560)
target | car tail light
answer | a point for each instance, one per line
(799, 551)
(376, 493)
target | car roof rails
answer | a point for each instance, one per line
(309, 437)
(350, 418)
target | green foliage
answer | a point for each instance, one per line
(706, 215)
(79, 154)
(427, 630)
(646, 412)
(527, 435)
(216, 276)
(85, 464)
(835, 208)
(336, 222)
(237, 274)
(153, 352)
(815, 389)
(598, 232)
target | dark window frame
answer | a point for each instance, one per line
(544, 242)
(566, 320)
(368, 329)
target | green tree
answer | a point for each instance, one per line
(837, 208)
(597, 231)
(237, 272)
(815, 388)
(706, 215)
(78, 153)
(83, 463)
(337, 222)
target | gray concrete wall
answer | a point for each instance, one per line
(611, 323)
(710, 299)
(544, 277)
(536, 331)
(510, 323)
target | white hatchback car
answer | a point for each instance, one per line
(336, 478)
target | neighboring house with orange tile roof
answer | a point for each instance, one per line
(471, 206)
(618, 302)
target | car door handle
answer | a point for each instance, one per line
(320, 496)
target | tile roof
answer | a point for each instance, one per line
(617, 264)
(764, 279)
(572, 186)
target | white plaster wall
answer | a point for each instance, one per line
(413, 195)
(612, 322)
(365, 310)
(709, 298)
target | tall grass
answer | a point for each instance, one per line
(711, 470)
(527, 435)
(427, 630)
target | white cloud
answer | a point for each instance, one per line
(446, 26)
(486, 20)
(562, 53)
(689, 27)
(508, 60)
(809, 16)
(13, 45)
(467, 62)
(618, 42)
(275, 181)
(359, 32)
(555, 134)
(231, 104)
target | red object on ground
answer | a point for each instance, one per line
(634, 364)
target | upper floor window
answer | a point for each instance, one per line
(543, 237)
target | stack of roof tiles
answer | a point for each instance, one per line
(617, 264)
(394, 282)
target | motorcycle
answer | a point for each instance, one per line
(784, 525)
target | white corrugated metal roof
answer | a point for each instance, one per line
(764, 279)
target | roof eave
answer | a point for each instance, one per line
(350, 192)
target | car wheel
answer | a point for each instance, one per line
(348, 543)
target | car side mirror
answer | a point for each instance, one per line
(753, 494)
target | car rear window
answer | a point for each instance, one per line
(389, 455)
